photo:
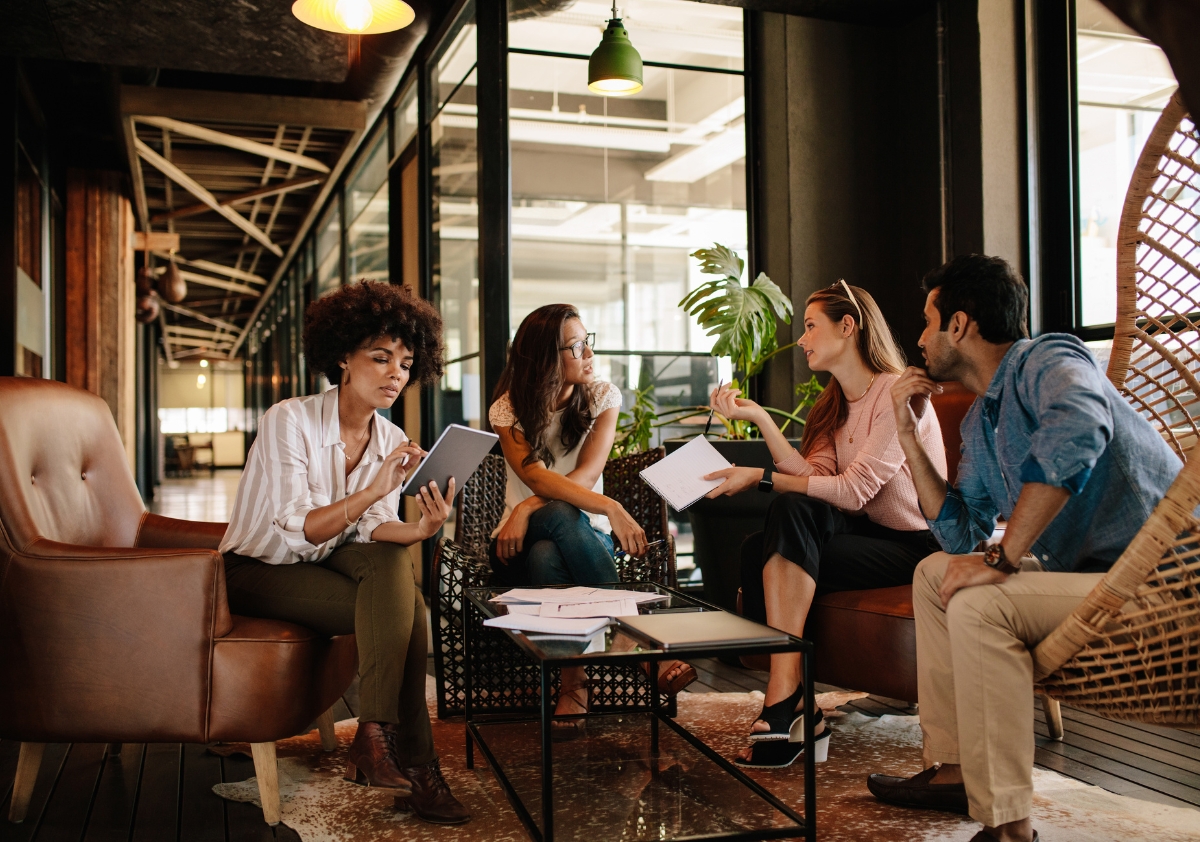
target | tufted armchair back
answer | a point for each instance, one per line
(63, 474)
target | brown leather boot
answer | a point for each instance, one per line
(431, 798)
(372, 759)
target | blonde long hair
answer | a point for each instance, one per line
(877, 349)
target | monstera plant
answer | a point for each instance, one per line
(742, 318)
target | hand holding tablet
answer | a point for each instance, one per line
(457, 453)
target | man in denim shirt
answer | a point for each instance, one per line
(1052, 447)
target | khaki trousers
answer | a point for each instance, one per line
(366, 590)
(975, 677)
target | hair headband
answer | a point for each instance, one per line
(853, 300)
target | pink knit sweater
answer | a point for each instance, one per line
(870, 475)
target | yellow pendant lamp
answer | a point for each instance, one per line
(615, 68)
(355, 17)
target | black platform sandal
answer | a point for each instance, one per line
(779, 754)
(782, 720)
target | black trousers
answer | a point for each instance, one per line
(840, 552)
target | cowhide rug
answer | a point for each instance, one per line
(605, 788)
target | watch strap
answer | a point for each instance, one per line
(766, 484)
(995, 558)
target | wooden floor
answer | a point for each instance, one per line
(156, 793)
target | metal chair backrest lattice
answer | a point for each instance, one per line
(1155, 359)
(481, 505)
(504, 679)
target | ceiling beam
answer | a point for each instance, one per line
(198, 316)
(233, 142)
(185, 342)
(220, 269)
(222, 106)
(158, 241)
(200, 333)
(205, 280)
(310, 218)
(166, 340)
(135, 170)
(241, 198)
(189, 184)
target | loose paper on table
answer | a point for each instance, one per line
(548, 625)
(679, 478)
(579, 593)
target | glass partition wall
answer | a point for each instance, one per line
(454, 221)
(609, 195)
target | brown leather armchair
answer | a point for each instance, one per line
(114, 625)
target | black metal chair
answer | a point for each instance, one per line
(504, 678)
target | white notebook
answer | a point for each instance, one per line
(679, 478)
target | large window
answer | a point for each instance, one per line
(329, 250)
(1124, 81)
(454, 217)
(367, 215)
(611, 194)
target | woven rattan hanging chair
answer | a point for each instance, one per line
(1131, 650)
(1155, 358)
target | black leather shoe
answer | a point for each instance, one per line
(918, 792)
(984, 836)
(431, 797)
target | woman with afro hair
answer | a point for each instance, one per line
(315, 537)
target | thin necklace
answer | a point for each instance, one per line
(360, 441)
(856, 400)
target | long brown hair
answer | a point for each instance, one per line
(876, 347)
(535, 367)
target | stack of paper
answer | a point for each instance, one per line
(547, 625)
(566, 611)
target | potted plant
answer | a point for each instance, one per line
(742, 318)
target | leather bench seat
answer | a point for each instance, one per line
(866, 640)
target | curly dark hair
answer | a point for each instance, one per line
(344, 321)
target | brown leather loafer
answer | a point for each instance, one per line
(372, 759)
(431, 797)
(918, 792)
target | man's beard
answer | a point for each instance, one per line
(945, 366)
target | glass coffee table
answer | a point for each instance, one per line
(633, 774)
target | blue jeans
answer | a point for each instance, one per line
(560, 548)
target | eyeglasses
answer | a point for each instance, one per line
(576, 348)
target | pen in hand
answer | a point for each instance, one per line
(712, 409)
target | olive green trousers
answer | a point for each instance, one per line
(367, 590)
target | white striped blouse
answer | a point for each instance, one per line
(297, 464)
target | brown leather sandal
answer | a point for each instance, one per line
(673, 676)
(572, 725)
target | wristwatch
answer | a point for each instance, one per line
(766, 483)
(995, 558)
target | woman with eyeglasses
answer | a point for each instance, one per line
(556, 426)
(848, 517)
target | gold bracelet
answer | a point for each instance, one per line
(346, 510)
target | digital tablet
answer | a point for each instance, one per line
(457, 453)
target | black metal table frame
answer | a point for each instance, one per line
(806, 826)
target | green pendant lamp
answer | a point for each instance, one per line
(615, 69)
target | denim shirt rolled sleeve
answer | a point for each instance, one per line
(1060, 382)
(1051, 416)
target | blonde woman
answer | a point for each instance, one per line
(848, 517)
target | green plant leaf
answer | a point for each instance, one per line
(741, 318)
(720, 260)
